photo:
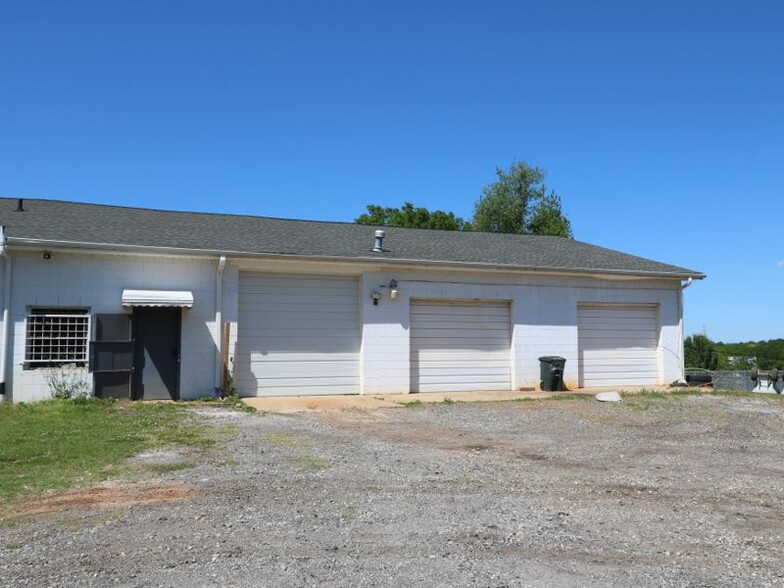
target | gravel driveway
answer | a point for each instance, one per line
(682, 491)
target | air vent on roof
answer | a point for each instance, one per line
(378, 247)
(20, 205)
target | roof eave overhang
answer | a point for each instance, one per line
(375, 259)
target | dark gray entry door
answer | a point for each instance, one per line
(157, 361)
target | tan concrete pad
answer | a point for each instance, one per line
(293, 404)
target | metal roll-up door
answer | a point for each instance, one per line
(297, 336)
(460, 346)
(618, 345)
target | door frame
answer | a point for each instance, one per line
(138, 371)
(652, 306)
(414, 374)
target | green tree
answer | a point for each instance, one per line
(764, 355)
(547, 218)
(700, 352)
(410, 216)
(519, 202)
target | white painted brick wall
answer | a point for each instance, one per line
(544, 317)
(96, 281)
(544, 311)
(384, 353)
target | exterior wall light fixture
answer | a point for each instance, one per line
(393, 291)
(375, 295)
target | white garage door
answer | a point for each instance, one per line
(460, 346)
(618, 345)
(297, 336)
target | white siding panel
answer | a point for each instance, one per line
(297, 336)
(460, 346)
(617, 345)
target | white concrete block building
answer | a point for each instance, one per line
(153, 304)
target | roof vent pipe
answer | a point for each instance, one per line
(20, 205)
(378, 247)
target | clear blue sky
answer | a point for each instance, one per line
(661, 124)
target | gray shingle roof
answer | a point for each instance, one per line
(71, 222)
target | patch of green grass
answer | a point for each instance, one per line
(232, 401)
(10, 522)
(237, 403)
(78, 524)
(695, 392)
(553, 397)
(12, 545)
(571, 397)
(644, 402)
(225, 430)
(59, 444)
(305, 464)
(165, 468)
(465, 481)
(682, 392)
(348, 511)
(412, 404)
(646, 399)
(713, 392)
(448, 400)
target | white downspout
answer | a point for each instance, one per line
(219, 322)
(680, 330)
(6, 312)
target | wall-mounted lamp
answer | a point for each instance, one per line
(393, 291)
(375, 295)
(47, 255)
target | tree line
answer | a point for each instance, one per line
(700, 352)
(518, 202)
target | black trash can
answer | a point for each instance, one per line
(551, 368)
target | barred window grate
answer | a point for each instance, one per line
(57, 336)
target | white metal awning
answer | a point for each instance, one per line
(175, 298)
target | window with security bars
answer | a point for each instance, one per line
(56, 336)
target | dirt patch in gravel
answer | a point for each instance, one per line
(674, 492)
(103, 497)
